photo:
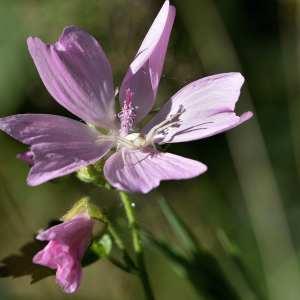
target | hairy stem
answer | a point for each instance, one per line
(137, 244)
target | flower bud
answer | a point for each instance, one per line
(67, 243)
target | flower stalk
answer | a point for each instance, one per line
(130, 265)
(137, 244)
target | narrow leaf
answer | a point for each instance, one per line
(181, 230)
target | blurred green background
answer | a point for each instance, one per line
(251, 189)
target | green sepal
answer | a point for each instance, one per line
(85, 206)
(93, 174)
(102, 247)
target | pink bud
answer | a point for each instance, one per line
(67, 244)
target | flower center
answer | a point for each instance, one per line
(132, 141)
(136, 139)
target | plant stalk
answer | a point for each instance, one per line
(137, 244)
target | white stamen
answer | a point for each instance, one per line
(162, 128)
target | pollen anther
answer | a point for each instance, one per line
(127, 114)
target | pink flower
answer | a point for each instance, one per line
(78, 75)
(67, 244)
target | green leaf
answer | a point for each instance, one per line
(203, 271)
(235, 255)
(200, 267)
(230, 248)
(177, 261)
(181, 230)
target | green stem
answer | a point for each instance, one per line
(137, 244)
(120, 244)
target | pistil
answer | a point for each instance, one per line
(127, 114)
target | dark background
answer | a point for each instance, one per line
(251, 189)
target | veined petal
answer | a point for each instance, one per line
(74, 230)
(50, 254)
(77, 74)
(144, 73)
(68, 276)
(63, 258)
(59, 145)
(201, 109)
(67, 244)
(142, 171)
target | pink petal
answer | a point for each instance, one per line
(145, 71)
(62, 258)
(77, 74)
(75, 231)
(142, 171)
(59, 145)
(47, 256)
(67, 244)
(68, 276)
(27, 157)
(205, 107)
